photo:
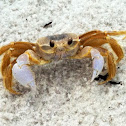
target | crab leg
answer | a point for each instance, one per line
(90, 35)
(7, 79)
(98, 38)
(17, 45)
(6, 70)
(87, 35)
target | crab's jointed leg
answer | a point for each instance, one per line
(84, 36)
(97, 41)
(17, 45)
(7, 79)
(91, 34)
(7, 57)
(6, 70)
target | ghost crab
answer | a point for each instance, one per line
(19, 56)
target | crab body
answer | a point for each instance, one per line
(57, 47)
(19, 56)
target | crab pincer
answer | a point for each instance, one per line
(22, 71)
(98, 63)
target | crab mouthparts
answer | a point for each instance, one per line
(60, 55)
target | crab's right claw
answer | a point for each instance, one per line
(24, 75)
(98, 63)
(22, 71)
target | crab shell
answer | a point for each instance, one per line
(58, 46)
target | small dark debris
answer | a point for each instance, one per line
(104, 77)
(47, 25)
(26, 19)
(80, 122)
(113, 82)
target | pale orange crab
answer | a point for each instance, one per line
(19, 56)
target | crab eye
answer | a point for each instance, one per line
(70, 41)
(51, 44)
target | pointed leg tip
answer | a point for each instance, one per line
(103, 82)
(124, 38)
(14, 92)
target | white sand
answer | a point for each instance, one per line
(65, 96)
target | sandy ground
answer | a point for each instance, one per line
(64, 96)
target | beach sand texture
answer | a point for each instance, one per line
(65, 96)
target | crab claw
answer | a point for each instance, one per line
(22, 71)
(98, 63)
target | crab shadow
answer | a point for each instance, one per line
(64, 74)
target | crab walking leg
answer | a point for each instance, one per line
(112, 42)
(7, 57)
(96, 33)
(89, 34)
(98, 60)
(84, 40)
(6, 70)
(17, 45)
(116, 33)
(5, 62)
(7, 79)
(98, 63)
(22, 71)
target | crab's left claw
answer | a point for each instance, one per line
(98, 63)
